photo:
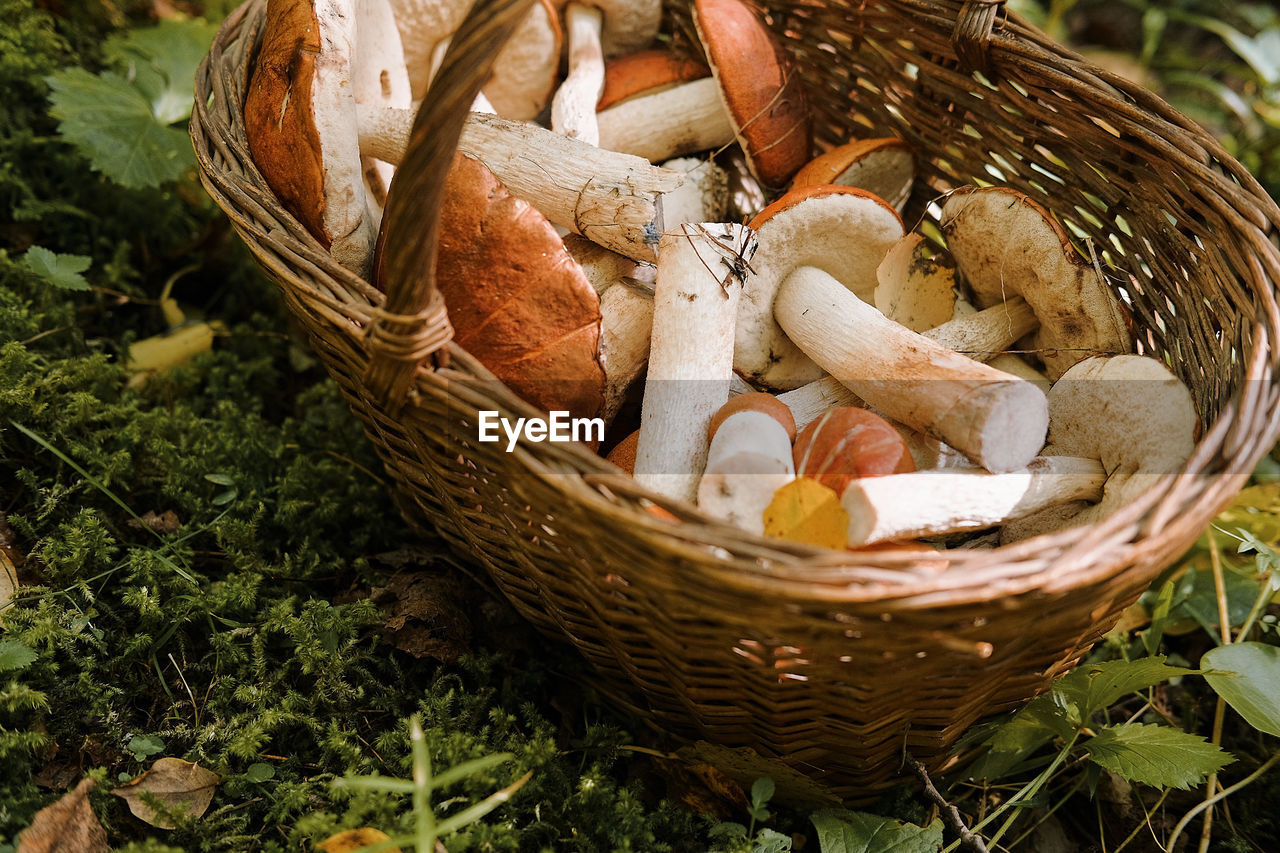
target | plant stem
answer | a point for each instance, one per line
(1146, 823)
(1224, 793)
(1028, 790)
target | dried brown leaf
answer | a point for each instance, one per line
(179, 788)
(166, 523)
(67, 826)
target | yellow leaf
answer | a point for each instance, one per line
(181, 788)
(353, 840)
(806, 511)
(161, 352)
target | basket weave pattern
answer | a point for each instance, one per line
(833, 663)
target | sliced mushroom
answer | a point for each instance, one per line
(1004, 243)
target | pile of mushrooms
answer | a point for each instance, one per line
(818, 368)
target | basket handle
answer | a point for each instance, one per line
(972, 35)
(413, 323)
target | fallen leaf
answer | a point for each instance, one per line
(702, 788)
(160, 352)
(806, 511)
(166, 523)
(179, 788)
(354, 839)
(426, 614)
(8, 582)
(67, 826)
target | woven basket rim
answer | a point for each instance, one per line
(1045, 565)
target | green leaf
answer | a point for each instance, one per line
(15, 655)
(1093, 687)
(1201, 602)
(1247, 677)
(854, 832)
(111, 123)
(161, 63)
(220, 479)
(1156, 755)
(145, 746)
(59, 270)
(770, 841)
(259, 772)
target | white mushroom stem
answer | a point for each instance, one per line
(691, 359)
(988, 333)
(749, 459)
(809, 401)
(573, 108)
(978, 335)
(681, 120)
(613, 199)
(997, 420)
(934, 503)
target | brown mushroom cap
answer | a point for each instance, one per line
(885, 167)
(755, 401)
(517, 300)
(300, 120)
(761, 88)
(646, 72)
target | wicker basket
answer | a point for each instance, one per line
(808, 664)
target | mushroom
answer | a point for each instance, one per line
(914, 286)
(379, 78)
(299, 119)
(646, 72)
(424, 25)
(625, 288)
(847, 443)
(700, 270)
(885, 167)
(596, 30)
(1005, 243)
(525, 72)
(934, 503)
(749, 458)
(842, 230)
(1131, 414)
(614, 199)
(517, 301)
(760, 87)
(997, 420)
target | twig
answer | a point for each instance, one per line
(950, 812)
(1223, 794)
